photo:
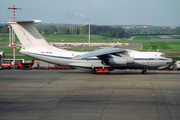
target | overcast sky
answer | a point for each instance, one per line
(100, 12)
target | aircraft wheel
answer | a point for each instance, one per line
(16, 66)
(144, 71)
(93, 72)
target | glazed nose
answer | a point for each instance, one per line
(173, 61)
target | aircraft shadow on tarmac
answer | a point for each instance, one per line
(122, 72)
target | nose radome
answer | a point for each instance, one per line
(173, 61)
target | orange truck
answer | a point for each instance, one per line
(7, 63)
(19, 64)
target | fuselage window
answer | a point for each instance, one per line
(163, 55)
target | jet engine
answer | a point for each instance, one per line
(118, 61)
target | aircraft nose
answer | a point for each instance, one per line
(173, 61)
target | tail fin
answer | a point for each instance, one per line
(28, 34)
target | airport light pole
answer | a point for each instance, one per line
(70, 29)
(89, 31)
(13, 34)
(14, 8)
(9, 27)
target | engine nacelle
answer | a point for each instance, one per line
(118, 61)
(130, 60)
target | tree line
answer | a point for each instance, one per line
(3, 28)
(107, 31)
(150, 30)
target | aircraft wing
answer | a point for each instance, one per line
(99, 53)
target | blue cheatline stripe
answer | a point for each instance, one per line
(150, 59)
(60, 56)
(90, 58)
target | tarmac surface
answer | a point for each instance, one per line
(80, 95)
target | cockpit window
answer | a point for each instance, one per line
(163, 55)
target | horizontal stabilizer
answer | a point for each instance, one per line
(25, 21)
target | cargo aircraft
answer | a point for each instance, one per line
(34, 45)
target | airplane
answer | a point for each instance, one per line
(34, 45)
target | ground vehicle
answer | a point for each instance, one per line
(7, 63)
(19, 64)
(177, 64)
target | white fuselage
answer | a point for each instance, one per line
(65, 58)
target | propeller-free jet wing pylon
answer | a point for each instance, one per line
(34, 45)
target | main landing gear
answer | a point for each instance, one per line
(144, 71)
(93, 71)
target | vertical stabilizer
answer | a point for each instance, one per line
(28, 34)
